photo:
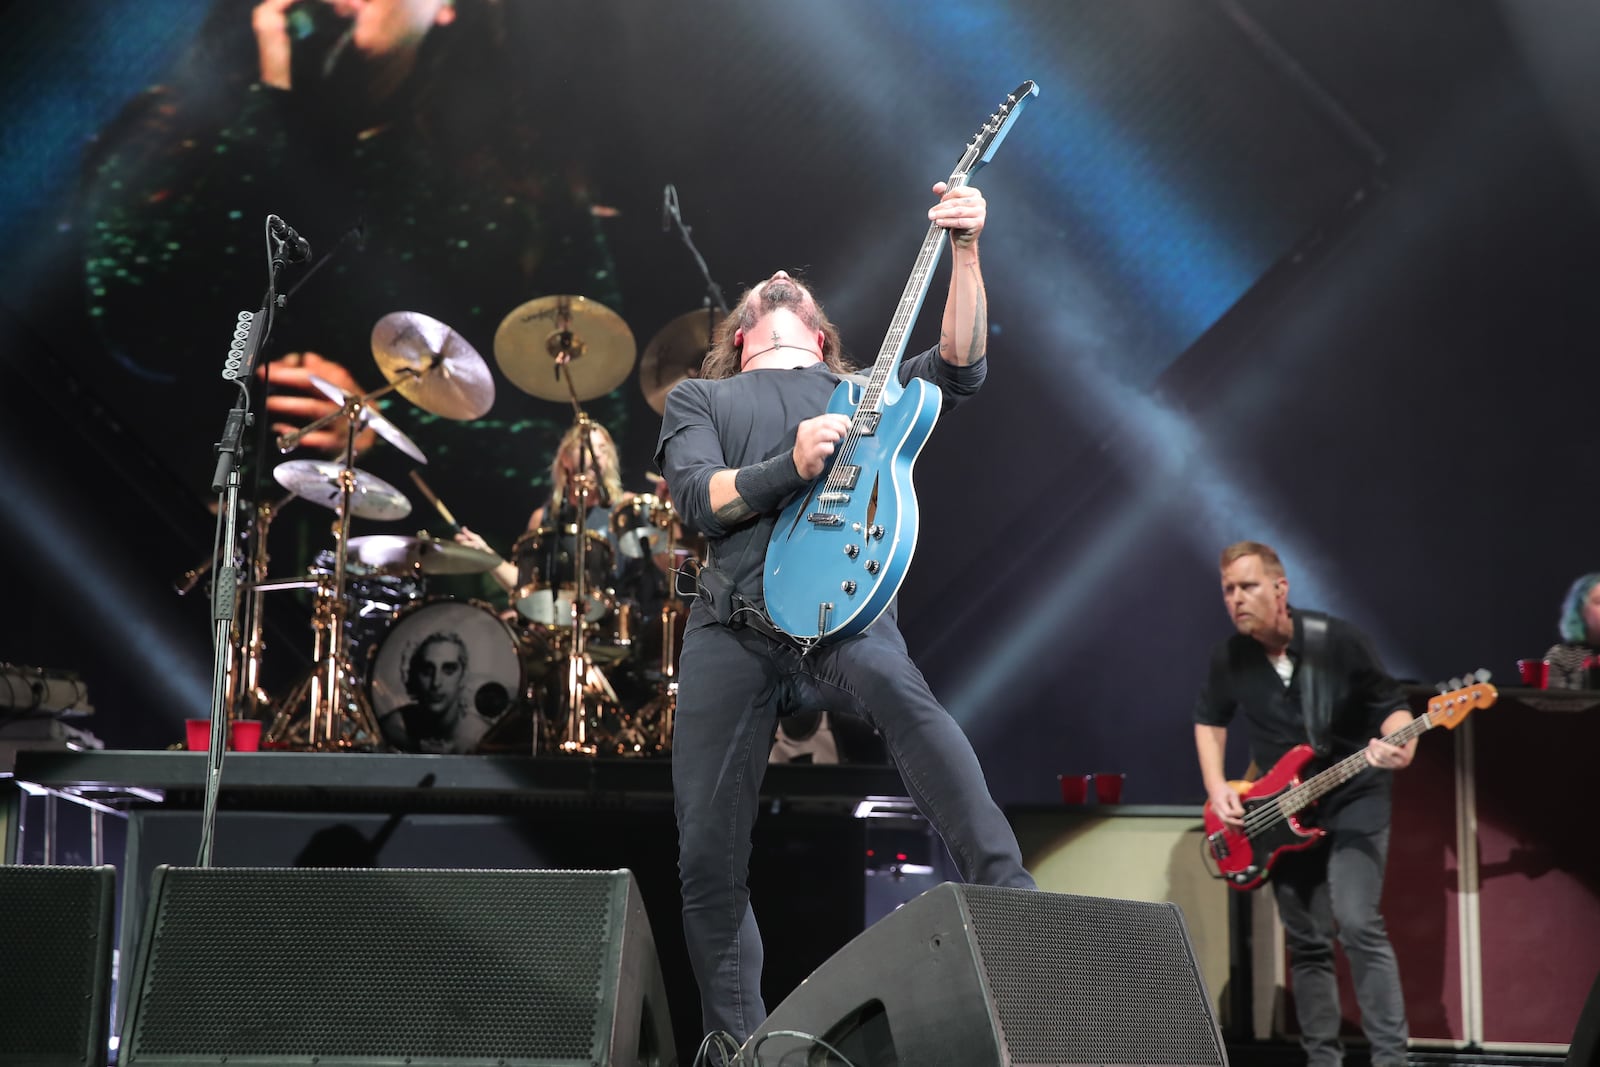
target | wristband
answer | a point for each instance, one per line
(766, 485)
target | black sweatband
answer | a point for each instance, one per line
(766, 485)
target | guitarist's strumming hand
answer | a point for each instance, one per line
(1226, 803)
(815, 440)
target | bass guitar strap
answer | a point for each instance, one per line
(1316, 688)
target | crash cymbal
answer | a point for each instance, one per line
(318, 481)
(544, 340)
(371, 416)
(432, 366)
(424, 553)
(675, 353)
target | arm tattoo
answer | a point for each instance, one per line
(733, 512)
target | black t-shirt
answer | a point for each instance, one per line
(1242, 678)
(729, 423)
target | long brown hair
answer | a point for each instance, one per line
(723, 359)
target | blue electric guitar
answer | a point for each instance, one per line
(841, 549)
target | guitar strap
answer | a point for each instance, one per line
(1316, 687)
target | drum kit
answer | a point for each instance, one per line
(395, 669)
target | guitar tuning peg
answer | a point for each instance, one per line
(1441, 687)
(1455, 683)
(1482, 674)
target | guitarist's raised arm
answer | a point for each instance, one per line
(964, 330)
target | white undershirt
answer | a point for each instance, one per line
(1283, 665)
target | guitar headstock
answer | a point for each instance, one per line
(1449, 708)
(981, 148)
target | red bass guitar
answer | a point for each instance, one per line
(1273, 802)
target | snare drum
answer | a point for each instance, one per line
(374, 598)
(546, 561)
(442, 674)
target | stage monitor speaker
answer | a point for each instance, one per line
(55, 965)
(973, 976)
(359, 967)
(1585, 1048)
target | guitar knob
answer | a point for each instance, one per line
(852, 551)
(877, 532)
(872, 566)
(848, 586)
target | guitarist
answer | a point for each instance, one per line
(1301, 677)
(735, 444)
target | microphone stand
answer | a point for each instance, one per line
(713, 290)
(249, 334)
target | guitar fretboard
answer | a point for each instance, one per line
(1319, 786)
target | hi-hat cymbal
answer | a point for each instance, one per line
(371, 416)
(432, 366)
(675, 353)
(424, 553)
(318, 481)
(552, 336)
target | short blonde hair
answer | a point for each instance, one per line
(1240, 549)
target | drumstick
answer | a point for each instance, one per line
(455, 527)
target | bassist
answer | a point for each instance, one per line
(1304, 678)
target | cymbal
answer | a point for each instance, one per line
(371, 416)
(424, 553)
(675, 353)
(432, 366)
(555, 336)
(317, 480)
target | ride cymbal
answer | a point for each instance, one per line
(424, 553)
(552, 337)
(317, 480)
(371, 416)
(432, 366)
(675, 353)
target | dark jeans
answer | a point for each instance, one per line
(1333, 890)
(732, 687)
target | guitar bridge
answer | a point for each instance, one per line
(832, 499)
(825, 518)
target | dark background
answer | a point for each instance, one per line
(1320, 276)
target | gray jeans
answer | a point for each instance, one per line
(1333, 890)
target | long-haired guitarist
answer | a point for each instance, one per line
(735, 445)
(1299, 678)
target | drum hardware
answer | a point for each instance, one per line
(432, 366)
(422, 554)
(541, 337)
(338, 715)
(370, 416)
(675, 353)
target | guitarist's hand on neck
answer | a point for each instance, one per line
(1256, 594)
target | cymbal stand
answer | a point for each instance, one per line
(339, 716)
(664, 705)
(583, 677)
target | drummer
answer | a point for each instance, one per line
(570, 473)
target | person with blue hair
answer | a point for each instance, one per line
(1574, 656)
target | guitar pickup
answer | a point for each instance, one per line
(845, 475)
(825, 518)
(867, 422)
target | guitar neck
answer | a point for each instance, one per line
(1320, 785)
(905, 314)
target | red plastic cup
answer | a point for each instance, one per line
(1108, 787)
(198, 734)
(1075, 788)
(244, 735)
(1535, 672)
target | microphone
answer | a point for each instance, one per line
(296, 248)
(669, 207)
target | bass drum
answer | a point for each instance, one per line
(547, 570)
(443, 674)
